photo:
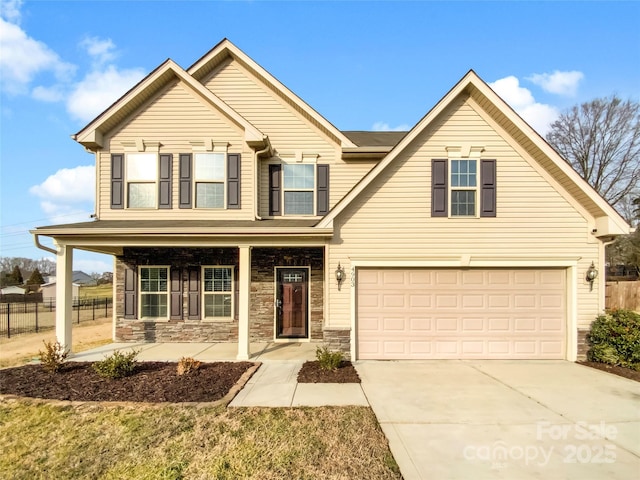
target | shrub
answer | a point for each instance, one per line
(53, 356)
(615, 339)
(117, 365)
(188, 365)
(328, 360)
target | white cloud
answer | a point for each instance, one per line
(539, 115)
(48, 94)
(101, 50)
(385, 127)
(10, 10)
(560, 83)
(65, 194)
(99, 89)
(24, 57)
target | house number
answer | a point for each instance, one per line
(353, 276)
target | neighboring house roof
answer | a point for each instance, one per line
(81, 278)
(517, 132)
(91, 136)
(13, 289)
(210, 60)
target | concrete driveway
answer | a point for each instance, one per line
(505, 419)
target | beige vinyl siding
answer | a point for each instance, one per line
(392, 218)
(175, 117)
(288, 131)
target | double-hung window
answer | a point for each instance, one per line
(299, 188)
(142, 178)
(154, 292)
(218, 292)
(464, 188)
(209, 173)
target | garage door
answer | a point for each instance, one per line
(445, 313)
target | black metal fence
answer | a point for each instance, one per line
(29, 317)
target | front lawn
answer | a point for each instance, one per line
(43, 440)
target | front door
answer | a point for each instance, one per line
(292, 301)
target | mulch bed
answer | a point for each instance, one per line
(152, 382)
(312, 373)
(621, 371)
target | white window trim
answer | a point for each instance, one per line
(301, 159)
(167, 293)
(475, 189)
(203, 294)
(129, 181)
(195, 181)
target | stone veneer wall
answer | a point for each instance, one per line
(261, 313)
(338, 340)
(582, 344)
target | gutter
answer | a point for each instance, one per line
(36, 240)
(255, 177)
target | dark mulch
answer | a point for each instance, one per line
(151, 382)
(312, 373)
(621, 371)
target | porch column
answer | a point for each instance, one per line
(244, 284)
(64, 299)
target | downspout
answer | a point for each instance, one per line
(36, 239)
(256, 170)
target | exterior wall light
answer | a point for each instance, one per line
(339, 275)
(592, 273)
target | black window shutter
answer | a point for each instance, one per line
(236, 294)
(185, 181)
(233, 181)
(439, 184)
(275, 207)
(130, 293)
(164, 188)
(117, 181)
(194, 293)
(487, 188)
(176, 294)
(322, 189)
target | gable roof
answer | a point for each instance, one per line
(609, 221)
(91, 136)
(210, 60)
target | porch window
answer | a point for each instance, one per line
(218, 292)
(142, 177)
(154, 292)
(299, 185)
(209, 180)
(464, 186)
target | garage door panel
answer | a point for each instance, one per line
(461, 313)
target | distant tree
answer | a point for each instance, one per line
(107, 277)
(35, 278)
(16, 276)
(601, 140)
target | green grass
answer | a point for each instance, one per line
(145, 442)
(94, 291)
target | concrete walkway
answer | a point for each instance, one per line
(506, 419)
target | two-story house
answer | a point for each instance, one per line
(236, 213)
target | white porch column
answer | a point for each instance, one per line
(64, 299)
(244, 284)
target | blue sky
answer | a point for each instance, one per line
(363, 65)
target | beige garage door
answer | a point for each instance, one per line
(446, 313)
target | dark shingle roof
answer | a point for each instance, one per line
(374, 139)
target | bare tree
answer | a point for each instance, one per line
(601, 140)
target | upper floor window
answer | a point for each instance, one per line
(142, 177)
(298, 189)
(209, 173)
(298, 186)
(464, 186)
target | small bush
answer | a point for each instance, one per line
(615, 339)
(187, 365)
(328, 360)
(117, 365)
(53, 356)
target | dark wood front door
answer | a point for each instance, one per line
(292, 301)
